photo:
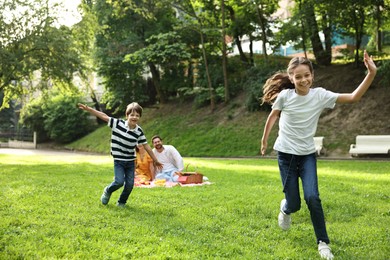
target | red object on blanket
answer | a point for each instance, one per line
(188, 178)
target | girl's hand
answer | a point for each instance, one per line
(369, 63)
(263, 148)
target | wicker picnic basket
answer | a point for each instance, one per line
(188, 177)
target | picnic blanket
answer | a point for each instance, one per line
(166, 184)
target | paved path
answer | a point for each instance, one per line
(17, 151)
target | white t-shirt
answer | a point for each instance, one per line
(170, 158)
(299, 117)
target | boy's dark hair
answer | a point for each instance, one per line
(155, 137)
(134, 107)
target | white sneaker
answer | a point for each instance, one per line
(284, 219)
(324, 251)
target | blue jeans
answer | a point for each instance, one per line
(292, 167)
(124, 175)
(168, 176)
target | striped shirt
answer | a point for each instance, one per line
(124, 139)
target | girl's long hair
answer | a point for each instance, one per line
(281, 80)
(274, 85)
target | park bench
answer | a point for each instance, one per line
(370, 144)
(319, 144)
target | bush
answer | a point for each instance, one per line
(383, 72)
(57, 118)
(255, 80)
(63, 121)
(31, 115)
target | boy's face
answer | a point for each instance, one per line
(132, 119)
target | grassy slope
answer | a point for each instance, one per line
(195, 132)
(232, 131)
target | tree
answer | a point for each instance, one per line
(29, 43)
(224, 53)
(323, 55)
(195, 16)
(310, 19)
(163, 51)
(264, 10)
(84, 34)
(378, 21)
(126, 28)
(240, 16)
(352, 22)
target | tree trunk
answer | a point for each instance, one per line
(378, 29)
(359, 19)
(303, 34)
(236, 37)
(326, 29)
(211, 90)
(320, 54)
(263, 31)
(251, 55)
(224, 58)
(156, 82)
(243, 57)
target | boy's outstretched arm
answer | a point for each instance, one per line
(94, 112)
(156, 163)
(356, 95)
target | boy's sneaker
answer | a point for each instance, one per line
(284, 219)
(120, 205)
(105, 197)
(324, 251)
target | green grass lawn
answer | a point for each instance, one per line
(50, 209)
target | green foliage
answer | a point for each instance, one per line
(168, 52)
(52, 211)
(255, 80)
(162, 49)
(236, 74)
(6, 119)
(57, 118)
(63, 121)
(383, 72)
(30, 42)
(117, 39)
(32, 116)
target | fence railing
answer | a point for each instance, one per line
(18, 139)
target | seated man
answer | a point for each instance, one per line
(170, 158)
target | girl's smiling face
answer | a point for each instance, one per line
(302, 78)
(132, 119)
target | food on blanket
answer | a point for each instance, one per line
(160, 182)
(141, 181)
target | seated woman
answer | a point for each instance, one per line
(144, 170)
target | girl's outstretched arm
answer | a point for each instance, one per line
(362, 88)
(273, 116)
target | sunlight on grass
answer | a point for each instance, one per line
(235, 164)
(50, 209)
(43, 159)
